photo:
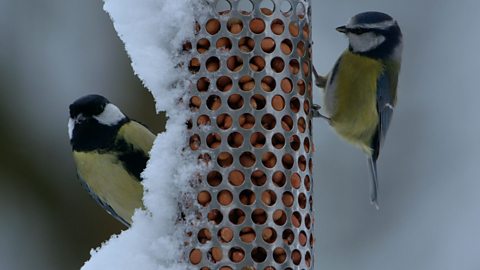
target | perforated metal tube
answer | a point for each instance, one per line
(251, 96)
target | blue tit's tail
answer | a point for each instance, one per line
(374, 184)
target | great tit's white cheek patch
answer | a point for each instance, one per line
(365, 42)
(71, 125)
(110, 116)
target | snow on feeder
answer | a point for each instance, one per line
(251, 98)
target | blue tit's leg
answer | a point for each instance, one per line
(320, 81)
(316, 114)
(316, 107)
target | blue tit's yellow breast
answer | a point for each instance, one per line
(354, 114)
(108, 179)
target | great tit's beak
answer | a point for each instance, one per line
(342, 29)
(80, 118)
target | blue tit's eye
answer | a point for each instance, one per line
(358, 31)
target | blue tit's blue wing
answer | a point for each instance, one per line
(386, 97)
(103, 204)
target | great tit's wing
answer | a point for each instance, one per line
(133, 144)
(102, 203)
(137, 135)
(109, 182)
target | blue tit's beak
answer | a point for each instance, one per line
(342, 29)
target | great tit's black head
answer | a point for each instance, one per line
(88, 106)
(375, 34)
(94, 122)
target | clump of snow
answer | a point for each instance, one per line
(153, 32)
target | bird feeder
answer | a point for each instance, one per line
(251, 99)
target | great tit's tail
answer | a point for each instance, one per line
(374, 183)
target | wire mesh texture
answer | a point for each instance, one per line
(251, 99)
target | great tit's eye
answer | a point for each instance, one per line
(98, 109)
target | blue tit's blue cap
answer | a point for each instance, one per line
(370, 17)
(384, 39)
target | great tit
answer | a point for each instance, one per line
(361, 89)
(110, 152)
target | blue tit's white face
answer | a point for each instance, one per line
(373, 33)
(363, 42)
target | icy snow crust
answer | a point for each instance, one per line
(153, 32)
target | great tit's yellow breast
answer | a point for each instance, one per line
(107, 178)
(354, 112)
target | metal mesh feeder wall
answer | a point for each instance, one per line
(251, 98)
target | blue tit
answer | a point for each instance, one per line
(110, 152)
(361, 90)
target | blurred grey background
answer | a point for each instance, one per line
(54, 51)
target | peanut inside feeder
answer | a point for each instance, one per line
(257, 140)
(235, 25)
(246, 44)
(225, 235)
(247, 197)
(246, 83)
(258, 178)
(268, 45)
(247, 235)
(246, 121)
(278, 140)
(259, 216)
(257, 63)
(279, 179)
(259, 254)
(278, 27)
(203, 45)
(213, 26)
(224, 83)
(286, 46)
(279, 255)
(214, 178)
(224, 121)
(224, 44)
(268, 83)
(225, 197)
(236, 178)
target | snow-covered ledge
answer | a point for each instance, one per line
(153, 32)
